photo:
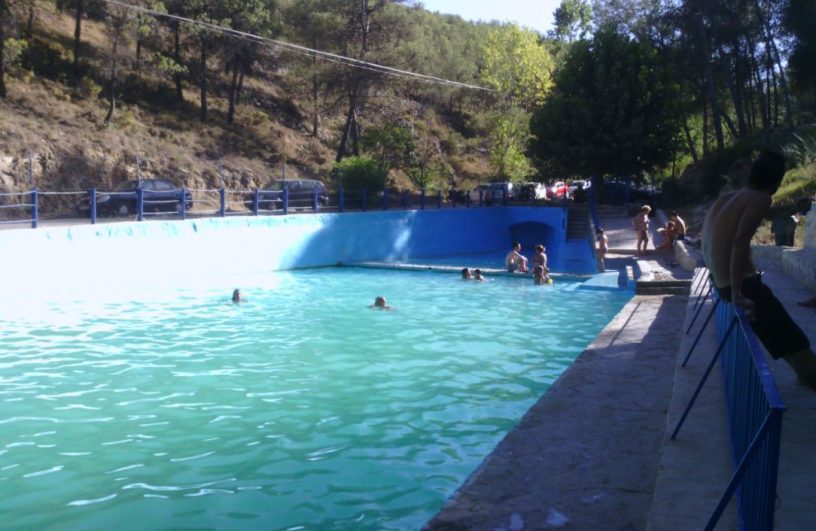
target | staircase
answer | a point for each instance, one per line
(577, 222)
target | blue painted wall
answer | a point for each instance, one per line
(123, 250)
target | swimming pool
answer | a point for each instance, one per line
(301, 407)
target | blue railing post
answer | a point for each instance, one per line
(285, 201)
(139, 204)
(314, 200)
(365, 199)
(404, 199)
(385, 199)
(183, 206)
(492, 196)
(467, 199)
(504, 196)
(222, 202)
(341, 198)
(92, 205)
(256, 199)
(422, 199)
(35, 208)
(453, 197)
(481, 197)
(439, 200)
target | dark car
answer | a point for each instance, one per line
(158, 195)
(301, 194)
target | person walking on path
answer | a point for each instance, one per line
(603, 248)
(641, 224)
(729, 226)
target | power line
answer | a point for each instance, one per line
(311, 52)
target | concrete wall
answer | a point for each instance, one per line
(167, 248)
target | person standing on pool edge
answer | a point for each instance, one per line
(726, 244)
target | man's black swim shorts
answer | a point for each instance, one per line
(772, 324)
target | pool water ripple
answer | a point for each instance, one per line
(299, 408)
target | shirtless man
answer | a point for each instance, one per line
(515, 261)
(726, 244)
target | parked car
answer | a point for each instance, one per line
(158, 195)
(531, 191)
(492, 192)
(557, 190)
(301, 194)
(574, 185)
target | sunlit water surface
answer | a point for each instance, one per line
(161, 407)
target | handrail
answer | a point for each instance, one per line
(257, 201)
(755, 412)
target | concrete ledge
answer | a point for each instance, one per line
(800, 264)
(585, 455)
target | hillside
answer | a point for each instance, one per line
(59, 122)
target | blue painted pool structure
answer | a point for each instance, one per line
(289, 242)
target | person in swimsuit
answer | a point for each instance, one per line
(641, 224)
(515, 261)
(540, 257)
(603, 248)
(477, 275)
(540, 276)
(466, 274)
(236, 296)
(728, 228)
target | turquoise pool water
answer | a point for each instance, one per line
(155, 406)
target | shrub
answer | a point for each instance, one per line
(356, 173)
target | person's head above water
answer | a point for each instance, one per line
(236, 296)
(767, 172)
(379, 302)
(466, 273)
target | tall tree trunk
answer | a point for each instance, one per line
(355, 135)
(760, 91)
(771, 44)
(80, 8)
(341, 149)
(30, 21)
(203, 81)
(240, 87)
(233, 89)
(112, 97)
(139, 39)
(3, 11)
(692, 148)
(716, 115)
(775, 99)
(315, 93)
(177, 59)
(732, 76)
(705, 126)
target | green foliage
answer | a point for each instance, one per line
(420, 178)
(802, 150)
(509, 139)
(46, 60)
(390, 145)
(614, 110)
(13, 51)
(517, 65)
(572, 20)
(357, 173)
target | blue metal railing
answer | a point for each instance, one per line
(143, 203)
(755, 412)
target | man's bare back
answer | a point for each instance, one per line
(727, 232)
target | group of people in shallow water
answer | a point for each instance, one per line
(515, 262)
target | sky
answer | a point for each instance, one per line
(535, 14)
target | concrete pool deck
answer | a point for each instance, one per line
(594, 452)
